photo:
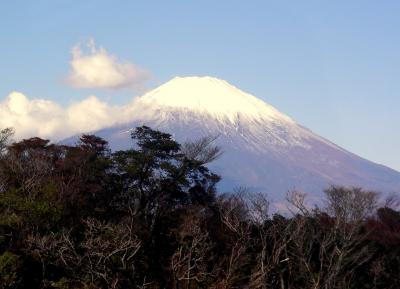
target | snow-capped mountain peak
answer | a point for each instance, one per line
(263, 148)
(210, 95)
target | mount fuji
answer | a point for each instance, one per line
(263, 149)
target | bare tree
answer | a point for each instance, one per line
(103, 247)
(189, 262)
(392, 201)
(271, 240)
(350, 205)
(331, 249)
(5, 138)
(202, 150)
(233, 214)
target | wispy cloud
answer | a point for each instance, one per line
(96, 68)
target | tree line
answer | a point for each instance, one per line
(81, 216)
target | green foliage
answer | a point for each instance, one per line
(63, 283)
(9, 266)
(40, 210)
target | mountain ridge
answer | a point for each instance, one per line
(264, 149)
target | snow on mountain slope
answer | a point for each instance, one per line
(212, 96)
(264, 149)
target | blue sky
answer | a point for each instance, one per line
(334, 66)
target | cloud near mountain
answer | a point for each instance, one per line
(91, 67)
(48, 119)
(96, 68)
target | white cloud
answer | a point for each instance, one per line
(30, 117)
(91, 114)
(99, 69)
(47, 119)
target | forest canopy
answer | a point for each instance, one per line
(82, 216)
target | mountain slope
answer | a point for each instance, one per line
(263, 148)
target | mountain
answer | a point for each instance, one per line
(264, 149)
